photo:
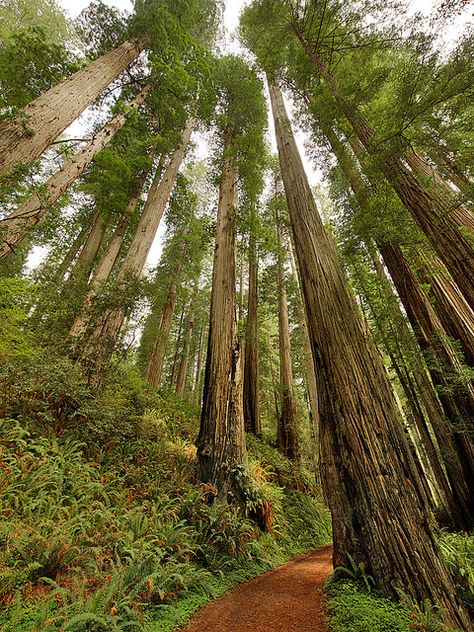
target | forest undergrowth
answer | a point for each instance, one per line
(103, 525)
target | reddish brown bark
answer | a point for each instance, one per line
(157, 358)
(100, 344)
(414, 300)
(183, 365)
(287, 431)
(376, 516)
(251, 373)
(221, 441)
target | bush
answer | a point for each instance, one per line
(103, 526)
(458, 552)
(354, 610)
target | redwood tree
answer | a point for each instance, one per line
(240, 123)
(377, 518)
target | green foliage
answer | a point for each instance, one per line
(102, 524)
(15, 302)
(458, 552)
(353, 610)
(30, 64)
(356, 572)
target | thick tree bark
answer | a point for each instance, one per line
(287, 431)
(454, 313)
(376, 516)
(414, 300)
(251, 403)
(430, 212)
(396, 341)
(15, 227)
(183, 365)
(99, 346)
(308, 357)
(440, 189)
(25, 136)
(458, 403)
(221, 441)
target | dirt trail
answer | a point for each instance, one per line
(290, 598)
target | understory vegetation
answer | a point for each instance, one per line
(354, 606)
(103, 526)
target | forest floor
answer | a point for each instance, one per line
(290, 598)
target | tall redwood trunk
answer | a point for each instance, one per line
(423, 319)
(177, 347)
(308, 357)
(99, 346)
(458, 402)
(453, 311)
(453, 172)
(15, 227)
(70, 255)
(221, 441)
(377, 518)
(183, 365)
(287, 431)
(431, 213)
(251, 403)
(25, 136)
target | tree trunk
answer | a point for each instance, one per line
(251, 377)
(21, 221)
(276, 399)
(109, 258)
(308, 357)
(287, 432)
(99, 347)
(430, 213)
(458, 401)
(157, 200)
(376, 516)
(221, 441)
(157, 357)
(414, 300)
(177, 347)
(453, 172)
(455, 315)
(197, 391)
(25, 136)
(183, 366)
(70, 255)
(88, 254)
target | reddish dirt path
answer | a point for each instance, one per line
(290, 598)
